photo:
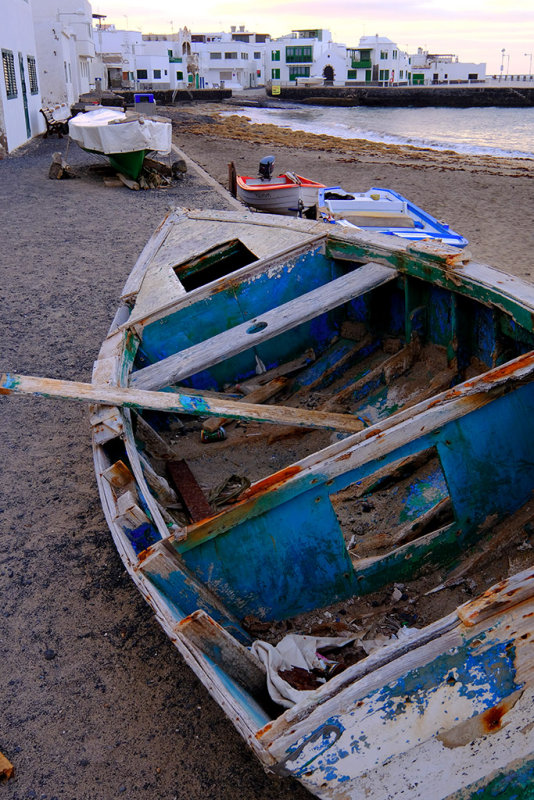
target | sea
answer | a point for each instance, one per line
(502, 132)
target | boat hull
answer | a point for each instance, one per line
(385, 211)
(278, 195)
(444, 712)
(124, 141)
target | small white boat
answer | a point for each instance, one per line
(384, 211)
(125, 138)
(288, 194)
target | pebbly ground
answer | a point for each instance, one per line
(95, 701)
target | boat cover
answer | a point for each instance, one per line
(108, 130)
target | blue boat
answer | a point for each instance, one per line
(314, 445)
(384, 211)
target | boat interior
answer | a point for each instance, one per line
(380, 472)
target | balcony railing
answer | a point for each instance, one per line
(306, 59)
(361, 65)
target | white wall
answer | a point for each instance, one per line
(117, 47)
(325, 53)
(390, 64)
(65, 48)
(17, 36)
(446, 68)
(239, 72)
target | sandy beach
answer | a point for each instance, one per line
(488, 200)
(96, 702)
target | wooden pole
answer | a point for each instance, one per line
(232, 179)
(177, 402)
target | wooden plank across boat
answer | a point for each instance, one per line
(377, 486)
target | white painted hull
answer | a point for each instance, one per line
(424, 717)
(282, 200)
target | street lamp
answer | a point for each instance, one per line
(503, 51)
(530, 64)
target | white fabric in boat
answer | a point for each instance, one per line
(98, 130)
(376, 219)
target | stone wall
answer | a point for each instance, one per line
(455, 96)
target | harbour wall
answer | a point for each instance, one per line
(168, 97)
(456, 97)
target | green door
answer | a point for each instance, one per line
(25, 96)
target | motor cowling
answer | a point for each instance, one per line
(266, 167)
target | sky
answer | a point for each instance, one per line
(475, 30)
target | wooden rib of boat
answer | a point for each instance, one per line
(288, 194)
(377, 400)
(384, 211)
(124, 138)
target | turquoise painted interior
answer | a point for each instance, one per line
(289, 556)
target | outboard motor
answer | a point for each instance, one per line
(266, 168)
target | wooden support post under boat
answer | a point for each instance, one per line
(178, 403)
(232, 179)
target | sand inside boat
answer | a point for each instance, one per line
(405, 501)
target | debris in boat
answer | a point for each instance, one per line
(216, 435)
(258, 395)
(189, 490)
(228, 491)
(300, 663)
(59, 169)
(7, 770)
(291, 658)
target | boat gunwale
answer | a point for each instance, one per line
(259, 740)
(304, 183)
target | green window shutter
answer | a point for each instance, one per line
(8, 63)
(32, 72)
(275, 74)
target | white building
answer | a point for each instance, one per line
(65, 48)
(307, 54)
(378, 59)
(152, 61)
(166, 61)
(115, 63)
(234, 60)
(429, 68)
(20, 90)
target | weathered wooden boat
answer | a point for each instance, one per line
(124, 138)
(288, 194)
(384, 211)
(389, 485)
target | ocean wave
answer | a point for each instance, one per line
(471, 130)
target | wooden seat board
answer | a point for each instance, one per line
(270, 324)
